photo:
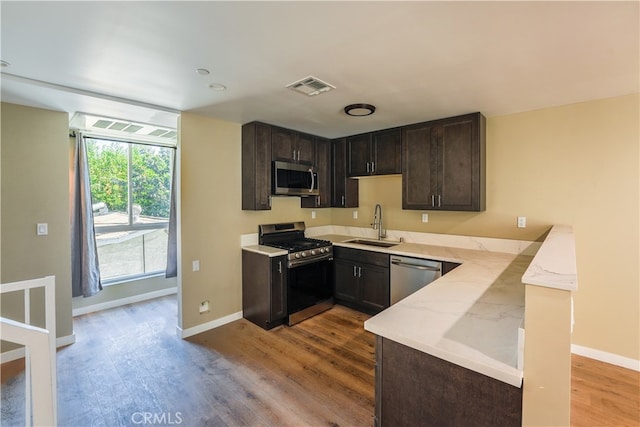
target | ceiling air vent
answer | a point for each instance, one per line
(310, 86)
(106, 126)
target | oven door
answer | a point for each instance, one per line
(310, 290)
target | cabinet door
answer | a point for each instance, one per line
(305, 147)
(282, 144)
(459, 164)
(278, 289)
(374, 287)
(346, 281)
(419, 173)
(359, 155)
(386, 153)
(256, 166)
(323, 167)
(344, 193)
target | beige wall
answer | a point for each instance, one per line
(212, 220)
(576, 165)
(35, 188)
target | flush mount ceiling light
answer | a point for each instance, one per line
(3, 63)
(359, 110)
(203, 71)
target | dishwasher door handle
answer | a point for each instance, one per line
(416, 266)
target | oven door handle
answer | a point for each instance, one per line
(301, 262)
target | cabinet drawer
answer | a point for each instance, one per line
(361, 256)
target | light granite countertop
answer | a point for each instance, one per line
(469, 316)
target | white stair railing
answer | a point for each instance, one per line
(40, 351)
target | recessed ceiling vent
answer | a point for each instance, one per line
(108, 126)
(310, 86)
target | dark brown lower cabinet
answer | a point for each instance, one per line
(264, 289)
(416, 389)
(361, 279)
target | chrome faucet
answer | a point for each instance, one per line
(377, 222)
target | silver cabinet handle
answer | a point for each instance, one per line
(355, 270)
(359, 271)
(269, 200)
(343, 201)
(367, 167)
(294, 154)
(439, 200)
(280, 267)
(318, 201)
(416, 266)
(373, 167)
(313, 180)
(433, 200)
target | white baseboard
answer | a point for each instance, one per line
(185, 333)
(603, 356)
(123, 301)
(18, 353)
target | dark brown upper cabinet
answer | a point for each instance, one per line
(344, 190)
(323, 167)
(256, 166)
(375, 153)
(291, 146)
(443, 164)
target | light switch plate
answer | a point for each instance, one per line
(355, 214)
(313, 214)
(42, 229)
(425, 217)
(195, 265)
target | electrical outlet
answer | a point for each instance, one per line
(204, 306)
(522, 221)
(355, 214)
(195, 265)
(313, 214)
(425, 217)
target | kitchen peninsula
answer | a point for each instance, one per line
(448, 354)
(453, 351)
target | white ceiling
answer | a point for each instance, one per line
(414, 61)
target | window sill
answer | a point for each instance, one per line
(129, 279)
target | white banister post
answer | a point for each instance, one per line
(50, 325)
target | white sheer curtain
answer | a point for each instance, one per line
(85, 270)
(172, 246)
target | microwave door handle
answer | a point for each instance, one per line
(313, 181)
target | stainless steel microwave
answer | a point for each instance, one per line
(293, 179)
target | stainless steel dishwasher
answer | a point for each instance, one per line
(410, 274)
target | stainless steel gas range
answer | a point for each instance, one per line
(309, 268)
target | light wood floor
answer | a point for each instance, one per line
(128, 361)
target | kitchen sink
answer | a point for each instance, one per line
(373, 243)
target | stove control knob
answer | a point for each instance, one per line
(321, 250)
(297, 255)
(304, 254)
(313, 252)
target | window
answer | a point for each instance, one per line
(131, 197)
